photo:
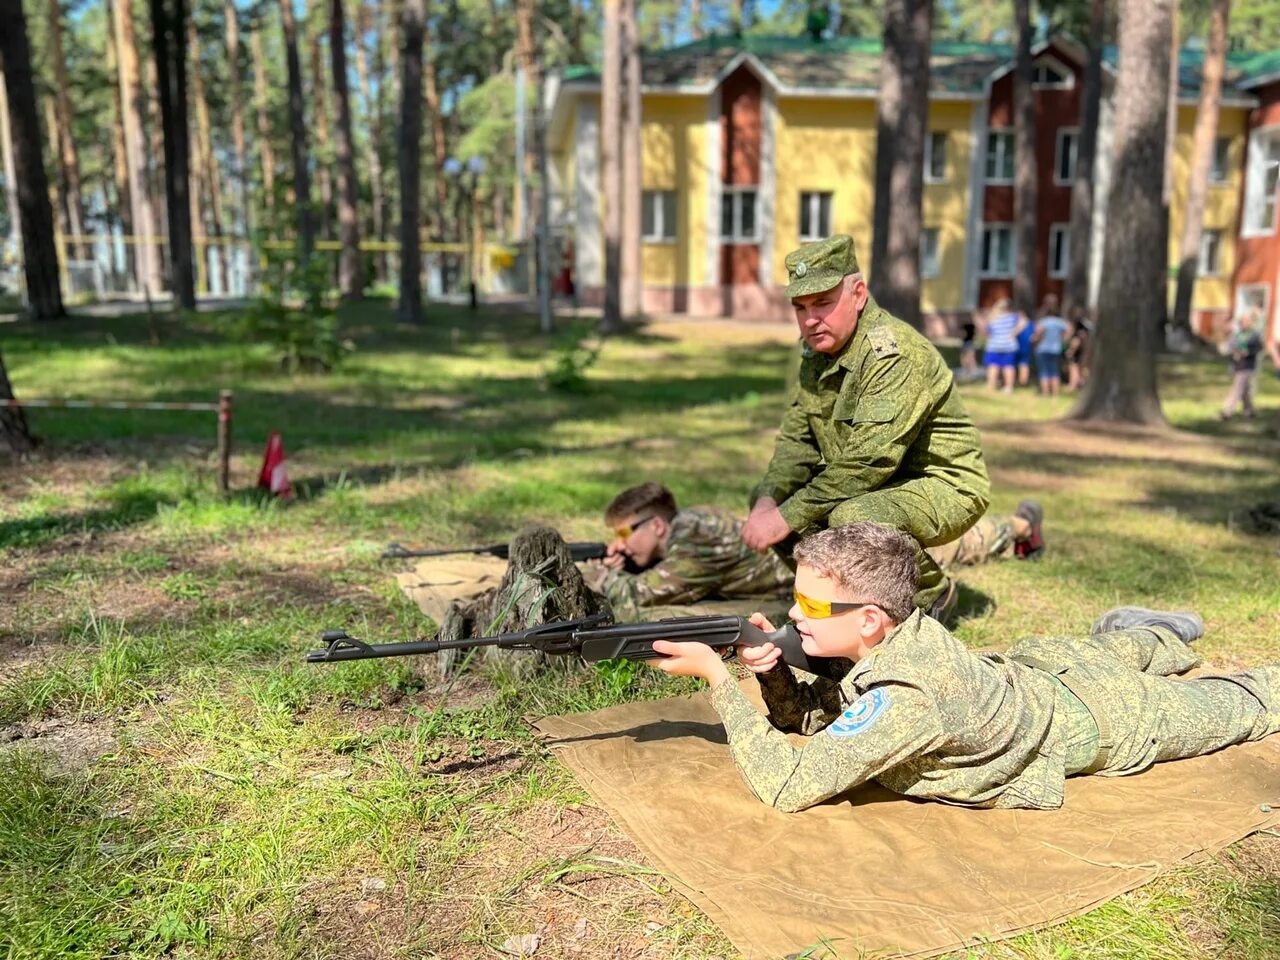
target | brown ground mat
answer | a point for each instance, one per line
(435, 582)
(883, 874)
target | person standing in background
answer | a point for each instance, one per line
(1049, 337)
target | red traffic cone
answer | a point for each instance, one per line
(273, 476)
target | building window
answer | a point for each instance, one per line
(1050, 74)
(1059, 250)
(998, 250)
(738, 215)
(815, 216)
(1210, 250)
(1252, 296)
(1064, 157)
(658, 212)
(999, 156)
(935, 158)
(1219, 170)
(930, 258)
(1261, 181)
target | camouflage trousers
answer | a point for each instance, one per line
(932, 511)
(1123, 711)
(991, 538)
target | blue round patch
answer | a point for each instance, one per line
(861, 714)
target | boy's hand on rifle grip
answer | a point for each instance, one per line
(690, 659)
(763, 658)
(614, 558)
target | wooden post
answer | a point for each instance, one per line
(224, 442)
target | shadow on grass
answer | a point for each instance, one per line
(127, 509)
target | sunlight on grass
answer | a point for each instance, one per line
(248, 797)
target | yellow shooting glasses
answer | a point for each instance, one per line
(624, 533)
(821, 609)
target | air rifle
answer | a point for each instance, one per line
(578, 551)
(592, 638)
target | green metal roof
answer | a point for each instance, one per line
(854, 63)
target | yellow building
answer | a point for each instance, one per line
(752, 145)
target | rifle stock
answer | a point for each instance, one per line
(591, 638)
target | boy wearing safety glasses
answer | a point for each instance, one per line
(683, 555)
(912, 708)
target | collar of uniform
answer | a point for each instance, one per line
(846, 358)
(907, 628)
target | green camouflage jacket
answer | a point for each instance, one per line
(884, 409)
(920, 714)
(705, 557)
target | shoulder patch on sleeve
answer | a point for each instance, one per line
(883, 343)
(861, 714)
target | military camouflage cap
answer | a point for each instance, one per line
(820, 265)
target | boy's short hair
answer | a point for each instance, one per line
(648, 498)
(875, 563)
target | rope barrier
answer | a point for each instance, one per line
(112, 404)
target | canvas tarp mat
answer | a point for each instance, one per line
(877, 874)
(435, 582)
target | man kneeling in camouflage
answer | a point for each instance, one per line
(916, 711)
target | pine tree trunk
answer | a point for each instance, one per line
(145, 250)
(1201, 159)
(298, 132)
(68, 160)
(439, 147)
(14, 432)
(632, 255)
(119, 150)
(320, 113)
(209, 171)
(155, 173)
(169, 36)
(611, 167)
(409, 145)
(10, 178)
(901, 125)
(235, 98)
(695, 19)
(58, 185)
(1082, 195)
(266, 156)
(1025, 192)
(350, 273)
(1122, 381)
(39, 257)
(373, 121)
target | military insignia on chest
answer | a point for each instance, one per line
(862, 714)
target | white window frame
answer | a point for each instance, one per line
(1202, 268)
(1069, 77)
(1063, 230)
(1007, 133)
(1266, 300)
(660, 234)
(1225, 179)
(925, 272)
(989, 274)
(737, 236)
(1063, 133)
(814, 199)
(1255, 180)
(928, 156)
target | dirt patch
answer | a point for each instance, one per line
(70, 745)
(19, 653)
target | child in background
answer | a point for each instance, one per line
(1003, 325)
(1025, 349)
(1078, 349)
(1243, 348)
(1049, 337)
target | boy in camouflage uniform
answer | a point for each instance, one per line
(875, 429)
(913, 709)
(684, 555)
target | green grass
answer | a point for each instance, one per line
(249, 805)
